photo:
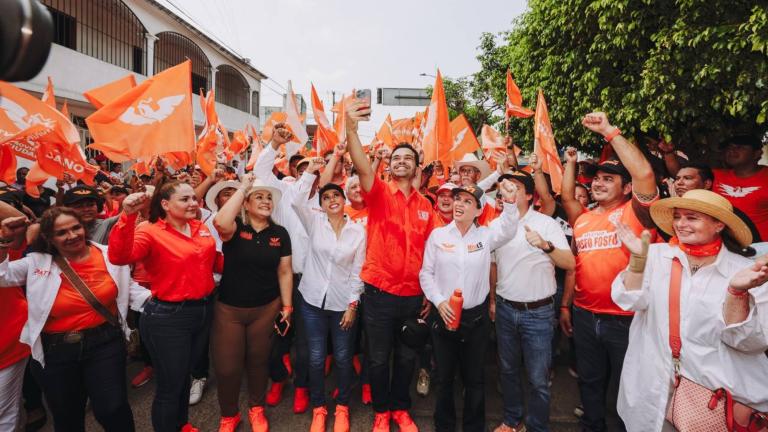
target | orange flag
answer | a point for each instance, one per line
(65, 110)
(256, 147)
(325, 137)
(7, 164)
(100, 96)
(211, 139)
(19, 112)
(437, 140)
(57, 157)
(384, 135)
(515, 100)
(239, 142)
(269, 125)
(340, 127)
(544, 144)
(464, 139)
(493, 143)
(293, 121)
(151, 119)
(49, 97)
(402, 130)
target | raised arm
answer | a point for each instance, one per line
(355, 147)
(224, 222)
(745, 303)
(127, 246)
(338, 154)
(304, 189)
(504, 228)
(669, 155)
(542, 188)
(572, 206)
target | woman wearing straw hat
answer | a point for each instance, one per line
(718, 295)
(255, 291)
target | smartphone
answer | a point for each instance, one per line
(281, 326)
(364, 95)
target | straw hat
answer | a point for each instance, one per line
(472, 160)
(213, 192)
(259, 185)
(702, 201)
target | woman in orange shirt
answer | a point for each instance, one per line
(179, 255)
(78, 344)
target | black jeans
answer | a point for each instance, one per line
(176, 334)
(601, 343)
(296, 337)
(384, 316)
(464, 348)
(94, 369)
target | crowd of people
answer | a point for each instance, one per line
(645, 261)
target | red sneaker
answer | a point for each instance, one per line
(258, 421)
(328, 361)
(142, 377)
(229, 424)
(381, 422)
(287, 364)
(404, 421)
(189, 428)
(300, 400)
(366, 396)
(356, 365)
(341, 422)
(275, 393)
(318, 419)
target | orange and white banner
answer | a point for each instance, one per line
(544, 144)
(437, 140)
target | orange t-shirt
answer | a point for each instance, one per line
(601, 257)
(749, 194)
(357, 216)
(398, 228)
(13, 316)
(70, 310)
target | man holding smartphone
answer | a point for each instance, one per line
(399, 223)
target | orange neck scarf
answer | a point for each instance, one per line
(704, 250)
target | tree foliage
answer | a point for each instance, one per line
(691, 71)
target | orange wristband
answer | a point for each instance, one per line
(737, 293)
(613, 134)
(288, 309)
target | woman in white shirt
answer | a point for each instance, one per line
(330, 291)
(458, 255)
(722, 296)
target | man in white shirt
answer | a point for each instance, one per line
(524, 309)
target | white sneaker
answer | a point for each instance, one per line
(422, 383)
(196, 390)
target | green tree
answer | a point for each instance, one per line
(692, 71)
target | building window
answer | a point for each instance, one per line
(104, 29)
(173, 48)
(255, 102)
(231, 88)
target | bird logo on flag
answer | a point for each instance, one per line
(146, 113)
(459, 138)
(21, 118)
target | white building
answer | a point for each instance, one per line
(99, 41)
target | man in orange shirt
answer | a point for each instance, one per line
(399, 222)
(623, 190)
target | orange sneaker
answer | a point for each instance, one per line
(328, 361)
(381, 422)
(229, 424)
(300, 400)
(356, 365)
(189, 428)
(275, 393)
(366, 397)
(341, 422)
(404, 421)
(318, 419)
(258, 420)
(287, 364)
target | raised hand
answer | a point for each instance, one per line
(247, 180)
(281, 134)
(571, 155)
(597, 122)
(315, 164)
(357, 111)
(134, 202)
(634, 244)
(666, 147)
(535, 162)
(752, 276)
(11, 228)
(508, 191)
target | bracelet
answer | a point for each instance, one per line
(288, 309)
(737, 292)
(637, 263)
(612, 134)
(565, 307)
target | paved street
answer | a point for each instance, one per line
(205, 415)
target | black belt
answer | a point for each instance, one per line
(526, 305)
(189, 302)
(77, 336)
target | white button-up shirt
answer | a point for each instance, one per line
(283, 214)
(526, 273)
(331, 277)
(454, 261)
(713, 355)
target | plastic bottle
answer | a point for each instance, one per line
(456, 302)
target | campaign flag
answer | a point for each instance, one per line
(437, 140)
(544, 144)
(100, 96)
(293, 121)
(464, 139)
(49, 96)
(55, 157)
(514, 105)
(325, 136)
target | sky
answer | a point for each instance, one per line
(343, 44)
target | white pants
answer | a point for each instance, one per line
(11, 381)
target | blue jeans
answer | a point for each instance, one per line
(317, 323)
(601, 343)
(525, 336)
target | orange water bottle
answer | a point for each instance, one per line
(456, 302)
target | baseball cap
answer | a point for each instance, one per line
(414, 333)
(327, 187)
(473, 190)
(520, 176)
(79, 193)
(446, 187)
(614, 166)
(743, 140)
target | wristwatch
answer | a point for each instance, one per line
(550, 247)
